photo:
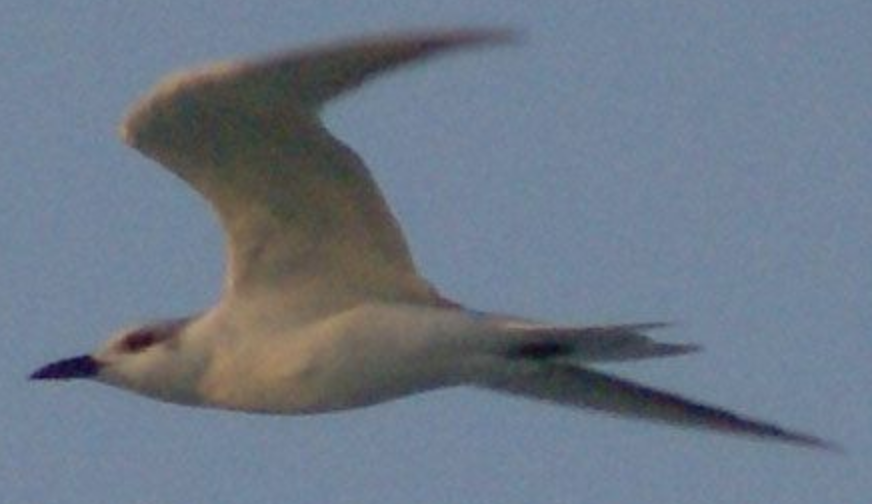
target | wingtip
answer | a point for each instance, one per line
(437, 39)
(488, 35)
(813, 442)
(730, 423)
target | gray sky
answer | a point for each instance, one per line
(702, 162)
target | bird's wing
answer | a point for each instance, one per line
(582, 387)
(301, 211)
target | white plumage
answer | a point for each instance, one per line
(323, 308)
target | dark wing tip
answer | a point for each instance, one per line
(466, 36)
(809, 441)
(437, 38)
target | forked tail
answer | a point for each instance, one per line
(589, 344)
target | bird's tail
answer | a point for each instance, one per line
(579, 387)
(608, 343)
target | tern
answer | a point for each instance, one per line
(323, 308)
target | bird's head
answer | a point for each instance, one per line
(149, 359)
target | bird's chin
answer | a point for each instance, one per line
(83, 366)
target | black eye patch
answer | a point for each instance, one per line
(138, 341)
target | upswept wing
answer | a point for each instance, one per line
(300, 210)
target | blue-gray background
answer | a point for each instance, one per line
(702, 162)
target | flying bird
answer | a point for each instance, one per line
(322, 307)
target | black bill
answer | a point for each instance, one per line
(83, 366)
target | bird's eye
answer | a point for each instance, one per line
(138, 341)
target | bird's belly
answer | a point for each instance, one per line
(322, 382)
(359, 384)
(353, 361)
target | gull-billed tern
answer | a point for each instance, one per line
(322, 307)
